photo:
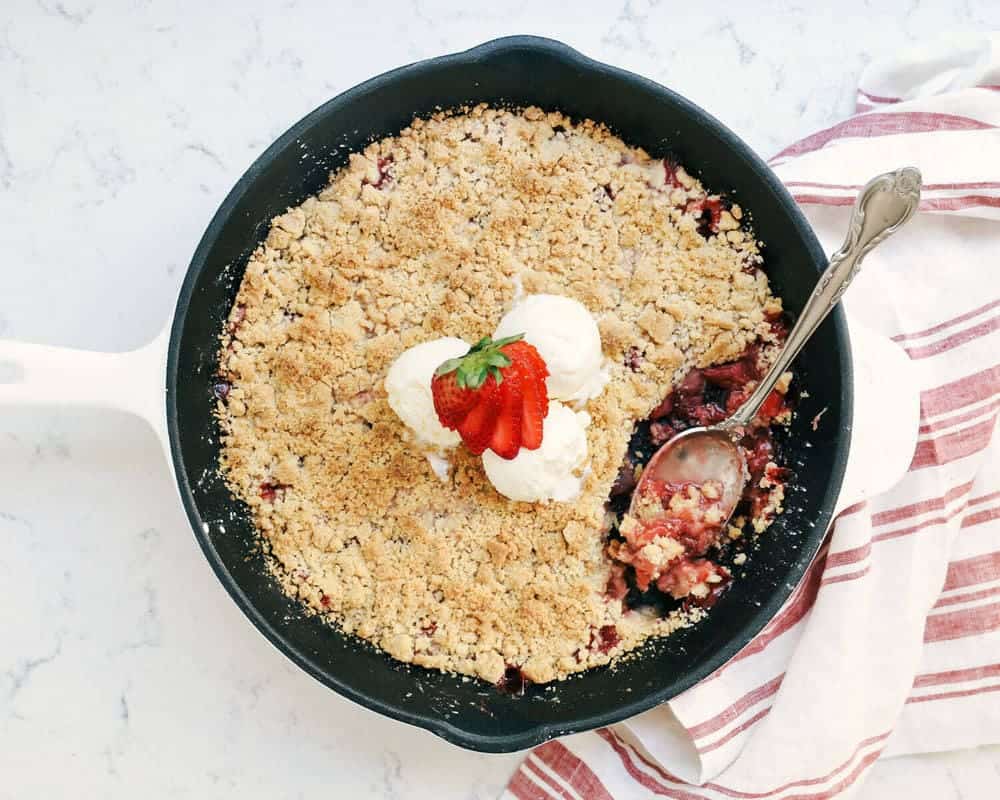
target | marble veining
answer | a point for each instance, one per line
(123, 663)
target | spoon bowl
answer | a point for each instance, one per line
(699, 455)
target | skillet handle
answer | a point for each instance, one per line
(42, 375)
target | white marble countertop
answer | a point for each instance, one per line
(123, 663)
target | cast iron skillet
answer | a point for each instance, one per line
(520, 71)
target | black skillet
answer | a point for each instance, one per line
(518, 71)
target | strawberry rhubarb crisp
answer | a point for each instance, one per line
(442, 375)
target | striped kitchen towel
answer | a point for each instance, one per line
(891, 643)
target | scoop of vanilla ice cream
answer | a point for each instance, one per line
(566, 336)
(408, 383)
(555, 471)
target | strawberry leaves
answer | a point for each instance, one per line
(482, 360)
(494, 396)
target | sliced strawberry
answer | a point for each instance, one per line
(506, 439)
(521, 351)
(451, 402)
(536, 406)
(476, 429)
(491, 393)
(536, 396)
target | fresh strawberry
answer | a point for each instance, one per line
(452, 402)
(494, 396)
(459, 385)
(535, 393)
(536, 406)
(520, 351)
(476, 429)
(507, 438)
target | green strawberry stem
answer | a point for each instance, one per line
(483, 359)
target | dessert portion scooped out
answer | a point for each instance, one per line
(668, 541)
(442, 374)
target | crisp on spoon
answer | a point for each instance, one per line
(709, 453)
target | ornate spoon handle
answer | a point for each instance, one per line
(883, 206)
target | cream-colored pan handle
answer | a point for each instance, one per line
(42, 375)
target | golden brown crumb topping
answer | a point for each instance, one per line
(427, 234)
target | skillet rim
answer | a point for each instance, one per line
(538, 732)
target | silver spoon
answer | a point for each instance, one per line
(701, 454)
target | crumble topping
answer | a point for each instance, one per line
(433, 233)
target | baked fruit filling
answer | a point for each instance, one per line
(665, 545)
(589, 300)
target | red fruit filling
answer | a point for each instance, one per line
(270, 492)
(670, 174)
(239, 314)
(779, 325)
(617, 582)
(736, 374)
(604, 638)
(692, 577)
(666, 544)
(708, 212)
(661, 432)
(384, 175)
(751, 263)
(512, 681)
(634, 358)
(715, 591)
(672, 523)
(626, 480)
